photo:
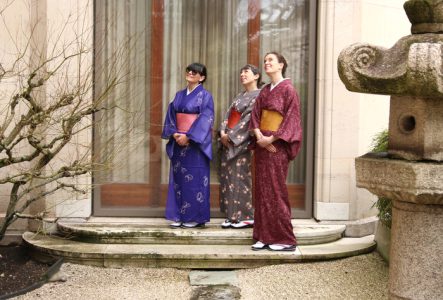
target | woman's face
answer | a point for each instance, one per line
(247, 76)
(193, 77)
(272, 65)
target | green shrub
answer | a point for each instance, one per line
(384, 205)
(380, 142)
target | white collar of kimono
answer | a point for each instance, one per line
(274, 85)
(188, 91)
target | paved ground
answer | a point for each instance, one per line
(360, 277)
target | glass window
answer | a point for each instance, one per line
(213, 32)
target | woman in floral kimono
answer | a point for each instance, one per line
(276, 124)
(188, 127)
(235, 172)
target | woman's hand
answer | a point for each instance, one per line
(181, 139)
(224, 139)
(258, 134)
(266, 142)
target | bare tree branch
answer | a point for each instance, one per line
(53, 101)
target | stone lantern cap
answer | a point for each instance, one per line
(426, 16)
(412, 67)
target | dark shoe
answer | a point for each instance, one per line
(193, 225)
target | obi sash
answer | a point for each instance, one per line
(234, 118)
(184, 121)
(270, 120)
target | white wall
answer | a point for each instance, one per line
(17, 17)
(54, 25)
(76, 19)
(346, 121)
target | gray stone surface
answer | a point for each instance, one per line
(356, 228)
(383, 239)
(149, 231)
(216, 293)
(415, 128)
(187, 256)
(425, 15)
(410, 68)
(416, 257)
(416, 182)
(213, 278)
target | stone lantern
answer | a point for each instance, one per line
(411, 172)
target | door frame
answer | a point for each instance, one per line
(139, 190)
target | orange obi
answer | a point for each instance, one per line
(184, 121)
(234, 118)
(270, 120)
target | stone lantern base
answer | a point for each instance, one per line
(416, 257)
(416, 189)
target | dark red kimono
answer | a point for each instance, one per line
(272, 216)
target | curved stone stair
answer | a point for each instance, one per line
(157, 231)
(117, 242)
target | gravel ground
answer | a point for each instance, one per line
(360, 277)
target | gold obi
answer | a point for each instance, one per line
(270, 120)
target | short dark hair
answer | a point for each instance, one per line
(255, 71)
(280, 59)
(199, 68)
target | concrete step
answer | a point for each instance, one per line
(187, 256)
(157, 231)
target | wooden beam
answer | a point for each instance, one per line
(254, 7)
(156, 99)
(141, 195)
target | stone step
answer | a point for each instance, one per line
(187, 256)
(157, 231)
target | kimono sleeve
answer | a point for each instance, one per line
(256, 113)
(290, 129)
(240, 132)
(202, 126)
(224, 123)
(169, 127)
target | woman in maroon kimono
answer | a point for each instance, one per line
(276, 124)
(188, 129)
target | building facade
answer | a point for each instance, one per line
(148, 44)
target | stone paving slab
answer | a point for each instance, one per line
(213, 278)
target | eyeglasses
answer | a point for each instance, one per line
(192, 72)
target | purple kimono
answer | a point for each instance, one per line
(188, 191)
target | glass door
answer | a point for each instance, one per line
(160, 38)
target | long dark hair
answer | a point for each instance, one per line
(198, 68)
(255, 71)
(280, 59)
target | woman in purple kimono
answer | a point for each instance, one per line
(188, 127)
(235, 171)
(276, 124)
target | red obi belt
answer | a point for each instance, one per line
(234, 118)
(184, 121)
